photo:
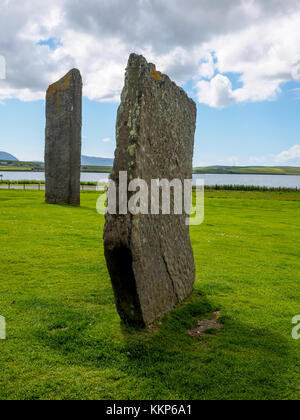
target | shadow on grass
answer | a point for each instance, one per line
(68, 206)
(239, 361)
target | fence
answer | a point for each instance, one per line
(39, 187)
(92, 187)
(10, 186)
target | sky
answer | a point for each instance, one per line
(238, 59)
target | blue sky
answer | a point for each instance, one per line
(239, 60)
(224, 136)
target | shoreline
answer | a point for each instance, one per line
(195, 172)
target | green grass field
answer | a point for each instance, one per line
(65, 339)
(15, 169)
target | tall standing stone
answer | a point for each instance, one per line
(149, 257)
(63, 140)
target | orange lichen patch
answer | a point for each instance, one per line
(65, 82)
(53, 88)
(157, 76)
(59, 88)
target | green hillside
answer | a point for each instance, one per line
(247, 170)
(254, 170)
(9, 165)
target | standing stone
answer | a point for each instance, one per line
(149, 257)
(63, 140)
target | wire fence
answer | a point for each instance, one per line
(41, 187)
(31, 185)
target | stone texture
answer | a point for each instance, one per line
(149, 257)
(63, 140)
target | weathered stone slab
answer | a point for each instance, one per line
(63, 140)
(149, 256)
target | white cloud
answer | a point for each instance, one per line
(106, 140)
(258, 40)
(288, 157)
(291, 155)
(2, 68)
(296, 69)
(207, 67)
(217, 92)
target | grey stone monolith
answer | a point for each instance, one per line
(149, 256)
(63, 140)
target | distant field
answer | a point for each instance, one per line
(65, 339)
(15, 168)
(284, 170)
(22, 166)
(280, 170)
(39, 167)
(100, 169)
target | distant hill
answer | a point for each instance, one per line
(96, 161)
(249, 170)
(8, 156)
(104, 165)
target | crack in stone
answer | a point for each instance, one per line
(170, 276)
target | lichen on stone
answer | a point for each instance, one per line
(157, 76)
(149, 257)
(131, 150)
(63, 139)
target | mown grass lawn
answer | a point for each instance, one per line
(65, 339)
